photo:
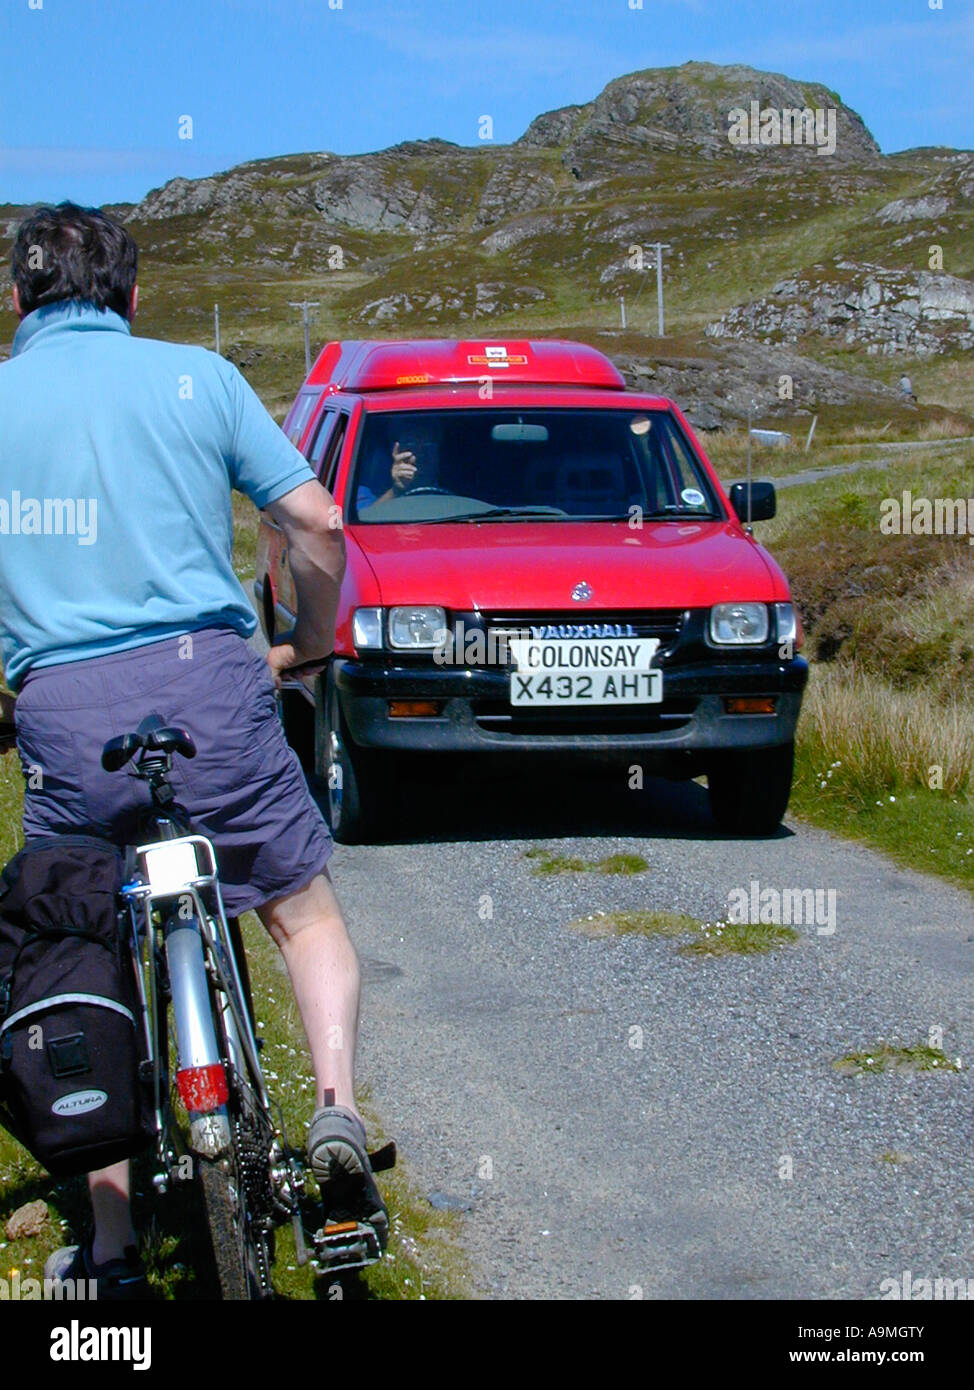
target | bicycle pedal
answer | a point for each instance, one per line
(383, 1158)
(345, 1245)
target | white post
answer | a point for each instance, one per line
(811, 434)
(659, 285)
(216, 325)
(622, 307)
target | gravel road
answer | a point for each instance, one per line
(816, 475)
(502, 1055)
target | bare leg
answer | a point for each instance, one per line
(109, 1189)
(309, 929)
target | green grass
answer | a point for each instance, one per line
(708, 938)
(885, 747)
(636, 923)
(739, 939)
(546, 861)
(885, 1057)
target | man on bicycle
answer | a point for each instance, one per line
(118, 598)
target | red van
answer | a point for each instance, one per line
(539, 562)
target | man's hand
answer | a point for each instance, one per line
(316, 556)
(403, 467)
(284, 655)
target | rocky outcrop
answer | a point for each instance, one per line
(687, 110)
(715, 391)
(450, 302)
(913, 210)
(885, 311)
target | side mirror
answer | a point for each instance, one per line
(764, 504)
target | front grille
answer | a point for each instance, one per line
(665, 624)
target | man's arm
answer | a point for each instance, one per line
(311, 522)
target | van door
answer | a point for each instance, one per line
(273, 583)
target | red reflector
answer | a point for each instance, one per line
(202, 1089)
(751, 704)
(412, 709)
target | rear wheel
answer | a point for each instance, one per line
(235, 1255)
(348, 772)
(236, 1187)
(749, 789)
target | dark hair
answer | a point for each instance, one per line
(69, 252)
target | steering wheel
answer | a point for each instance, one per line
(415, 491)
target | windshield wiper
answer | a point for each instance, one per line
(496, 513)
(673, 514)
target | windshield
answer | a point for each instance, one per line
(494, 464)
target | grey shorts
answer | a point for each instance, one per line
(244, 789)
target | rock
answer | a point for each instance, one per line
(686, 108)
(716, 391)
(704, 417)
(28, 1220)
(446, 1201)
(913, 210)
(885, 311)
(872, 295)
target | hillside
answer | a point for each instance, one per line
(776, 246)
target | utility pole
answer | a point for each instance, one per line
(750, 410)
(216, 325)
(304, 305)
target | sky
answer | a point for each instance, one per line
(97, 92)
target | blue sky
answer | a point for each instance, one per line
(95, 89)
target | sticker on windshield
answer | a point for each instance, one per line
(693, 497)
(639, 424)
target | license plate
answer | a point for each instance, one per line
(585, 672)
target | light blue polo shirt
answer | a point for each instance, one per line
(117, 458)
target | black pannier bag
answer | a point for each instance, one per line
(71, 1031)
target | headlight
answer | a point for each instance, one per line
(786, 623)
(416, 628)
(367, 628)
(739, 624)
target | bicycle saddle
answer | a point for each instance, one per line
(153, 735)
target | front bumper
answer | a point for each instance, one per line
(477, 717)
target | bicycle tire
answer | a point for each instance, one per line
(231, 1191)
(236, 1259)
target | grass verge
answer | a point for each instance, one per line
(888, 1057)
(885, 743)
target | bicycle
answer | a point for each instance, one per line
(188, 954)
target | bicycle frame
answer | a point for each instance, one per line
(198, 947)
(176, 914)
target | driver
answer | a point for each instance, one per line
(415, 460)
